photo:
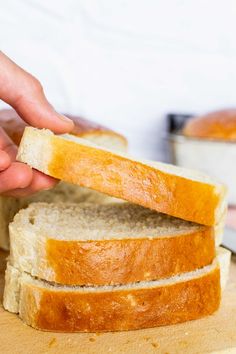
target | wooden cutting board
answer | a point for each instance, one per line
(215, 334)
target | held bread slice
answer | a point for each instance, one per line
(165, 188)
(89, 244)
(51, 307)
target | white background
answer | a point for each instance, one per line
(125, 63)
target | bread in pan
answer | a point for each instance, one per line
(218, 125)
(63, 192)
(165, 188)
(88, 244)
(52, 307)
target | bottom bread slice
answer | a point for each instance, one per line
(51, 307)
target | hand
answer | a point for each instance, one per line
(25, 94)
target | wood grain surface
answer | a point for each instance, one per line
(214, 334)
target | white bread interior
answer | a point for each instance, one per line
(88, 221)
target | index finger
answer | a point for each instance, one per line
(25, 94)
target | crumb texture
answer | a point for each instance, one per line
(87, 221)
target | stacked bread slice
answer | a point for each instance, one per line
(86, 244)
(120, 266)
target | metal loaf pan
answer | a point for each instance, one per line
(215, 158)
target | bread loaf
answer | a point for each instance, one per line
(14, 127)
(218, 125)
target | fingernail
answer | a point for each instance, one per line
(65, 119)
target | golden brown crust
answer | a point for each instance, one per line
(135, 182)
(77, 311)
(126, 261)
(219, 125)
(14, 127)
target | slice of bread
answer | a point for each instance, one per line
(51, 307)
(63, 192)
(165, 188)
(89, 244)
